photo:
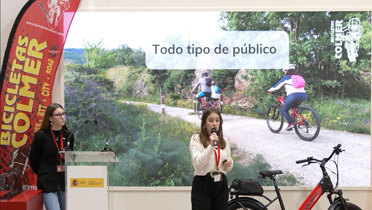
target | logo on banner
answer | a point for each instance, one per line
(346, 37)
(55, 11)
(27, 76)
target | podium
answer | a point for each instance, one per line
(87, 179)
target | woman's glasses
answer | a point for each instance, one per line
(59, 114)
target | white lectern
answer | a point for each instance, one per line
(87, 179)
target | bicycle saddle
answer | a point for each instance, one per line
(267, 173)
(297, 104)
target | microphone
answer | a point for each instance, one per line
(106, 148)
(215, 143)
(68, 148)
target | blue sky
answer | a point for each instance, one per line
(136, 29)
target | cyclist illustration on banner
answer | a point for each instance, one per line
(347, 36)
(55, 11)
(55, 14)
(353, 32)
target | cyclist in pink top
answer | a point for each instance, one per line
(294, 95)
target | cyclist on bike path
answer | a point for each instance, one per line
(294, 95)
(215, 92)
(205, 89)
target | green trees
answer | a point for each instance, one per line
(97, 57)
(311, 50)
(127, 56)
(171, 81)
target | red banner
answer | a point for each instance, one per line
(31, 60)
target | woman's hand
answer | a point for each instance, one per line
(213, 138)
(227, 163)
(270, 90)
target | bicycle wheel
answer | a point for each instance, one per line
(194, 105)
(218, 106)
(208, 105)
(246, 203)
(350, 206)
(274, 118)
(307, 123)
(199, 110)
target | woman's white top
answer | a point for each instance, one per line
(203, 159)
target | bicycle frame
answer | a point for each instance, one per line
(323, 186)
(294, 113)
(203, 100)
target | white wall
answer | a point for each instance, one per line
(179, 197)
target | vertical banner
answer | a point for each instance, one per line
(31, 60)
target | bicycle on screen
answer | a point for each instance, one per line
(306, 119)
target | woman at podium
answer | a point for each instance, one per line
(45, 159)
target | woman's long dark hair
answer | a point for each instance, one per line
(203, 135)
(49, 112)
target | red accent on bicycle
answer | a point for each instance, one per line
(325, 185)
(305, 119)
(200, 107)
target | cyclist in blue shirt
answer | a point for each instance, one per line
(215, 92)
(294, 95)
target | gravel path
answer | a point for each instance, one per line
(283, 149)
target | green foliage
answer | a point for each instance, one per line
(225, 79)
(252, 172)
(134, 82)
(312, 51)
(127, 56)
(97, 57)
(158, 152)
(344, 114)
(171, 81)
(153, 163)
(85, 100)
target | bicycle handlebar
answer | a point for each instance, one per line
(336, 150)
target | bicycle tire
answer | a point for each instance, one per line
(350, 206)
(209, 105)
(218, 106)
(310, 128)
(194, 105)
(246, 203)
(199, 110)
(203, 108)
(274, 118)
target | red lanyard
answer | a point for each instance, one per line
(60, 156)
(217, 157)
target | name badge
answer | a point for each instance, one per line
(217, 178)
(60, 168)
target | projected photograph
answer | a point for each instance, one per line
(134, 76)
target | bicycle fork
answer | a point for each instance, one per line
(340, 199)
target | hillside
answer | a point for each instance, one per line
(74, 55)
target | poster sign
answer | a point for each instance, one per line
(31, 60)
